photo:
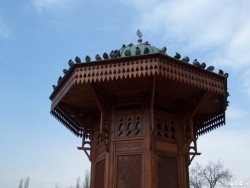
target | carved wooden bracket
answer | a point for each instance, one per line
(86, 144)
(193, 151)
(190, 139)
(86, 149)
(101, 99)
(105, 137)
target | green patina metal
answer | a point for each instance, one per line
(141, 47)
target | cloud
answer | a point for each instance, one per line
(220, 28)
(236, 51)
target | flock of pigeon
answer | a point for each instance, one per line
(117, 53)
(196, 63)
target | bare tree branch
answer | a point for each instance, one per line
(211, 175)
(86, 183)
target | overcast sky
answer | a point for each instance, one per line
(38, 37)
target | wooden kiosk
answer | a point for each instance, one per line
(139, 113)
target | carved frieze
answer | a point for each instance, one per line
(129, 146)
(148, 67)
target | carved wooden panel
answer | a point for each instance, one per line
(166, 147)
(165, 127)
(147, 67)
(129, 125)
(129, 171)
(100, 174)
(167, 172)
(99, 140)
(129, 146)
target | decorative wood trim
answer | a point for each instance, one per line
(63, 91)
(129, 146)
(70, 124)
(149, 67)
(210, 124)
(189, 75)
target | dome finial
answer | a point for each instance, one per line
(139, 34)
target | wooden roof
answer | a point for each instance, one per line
(176, 80)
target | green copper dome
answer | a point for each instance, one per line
(139, 49)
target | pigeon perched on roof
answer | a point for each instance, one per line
(137, 51)
(131, 44)
(203, 65)
(105, 56)
(221, 72)
(210, 68)
(53, 86)
(123, 46)
(177, 56)
(117, 53)
(185, 59)
(196, 63)
(146, 43)
(78, 59)
(65, 71)
(146, 50)
(70, 62)
(87, 59)
(226, 74)
(59, 79)
(163, 50)
(127, 53)
(98, 58)
(112, 54)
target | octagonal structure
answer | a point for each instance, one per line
(139, 113)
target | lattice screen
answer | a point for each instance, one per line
(165, 127)
(167, 172)
(129, 125)
(99, 174)
(129, 171)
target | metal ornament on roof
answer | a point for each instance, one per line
(139, 34)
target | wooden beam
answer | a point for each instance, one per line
(152, 103)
